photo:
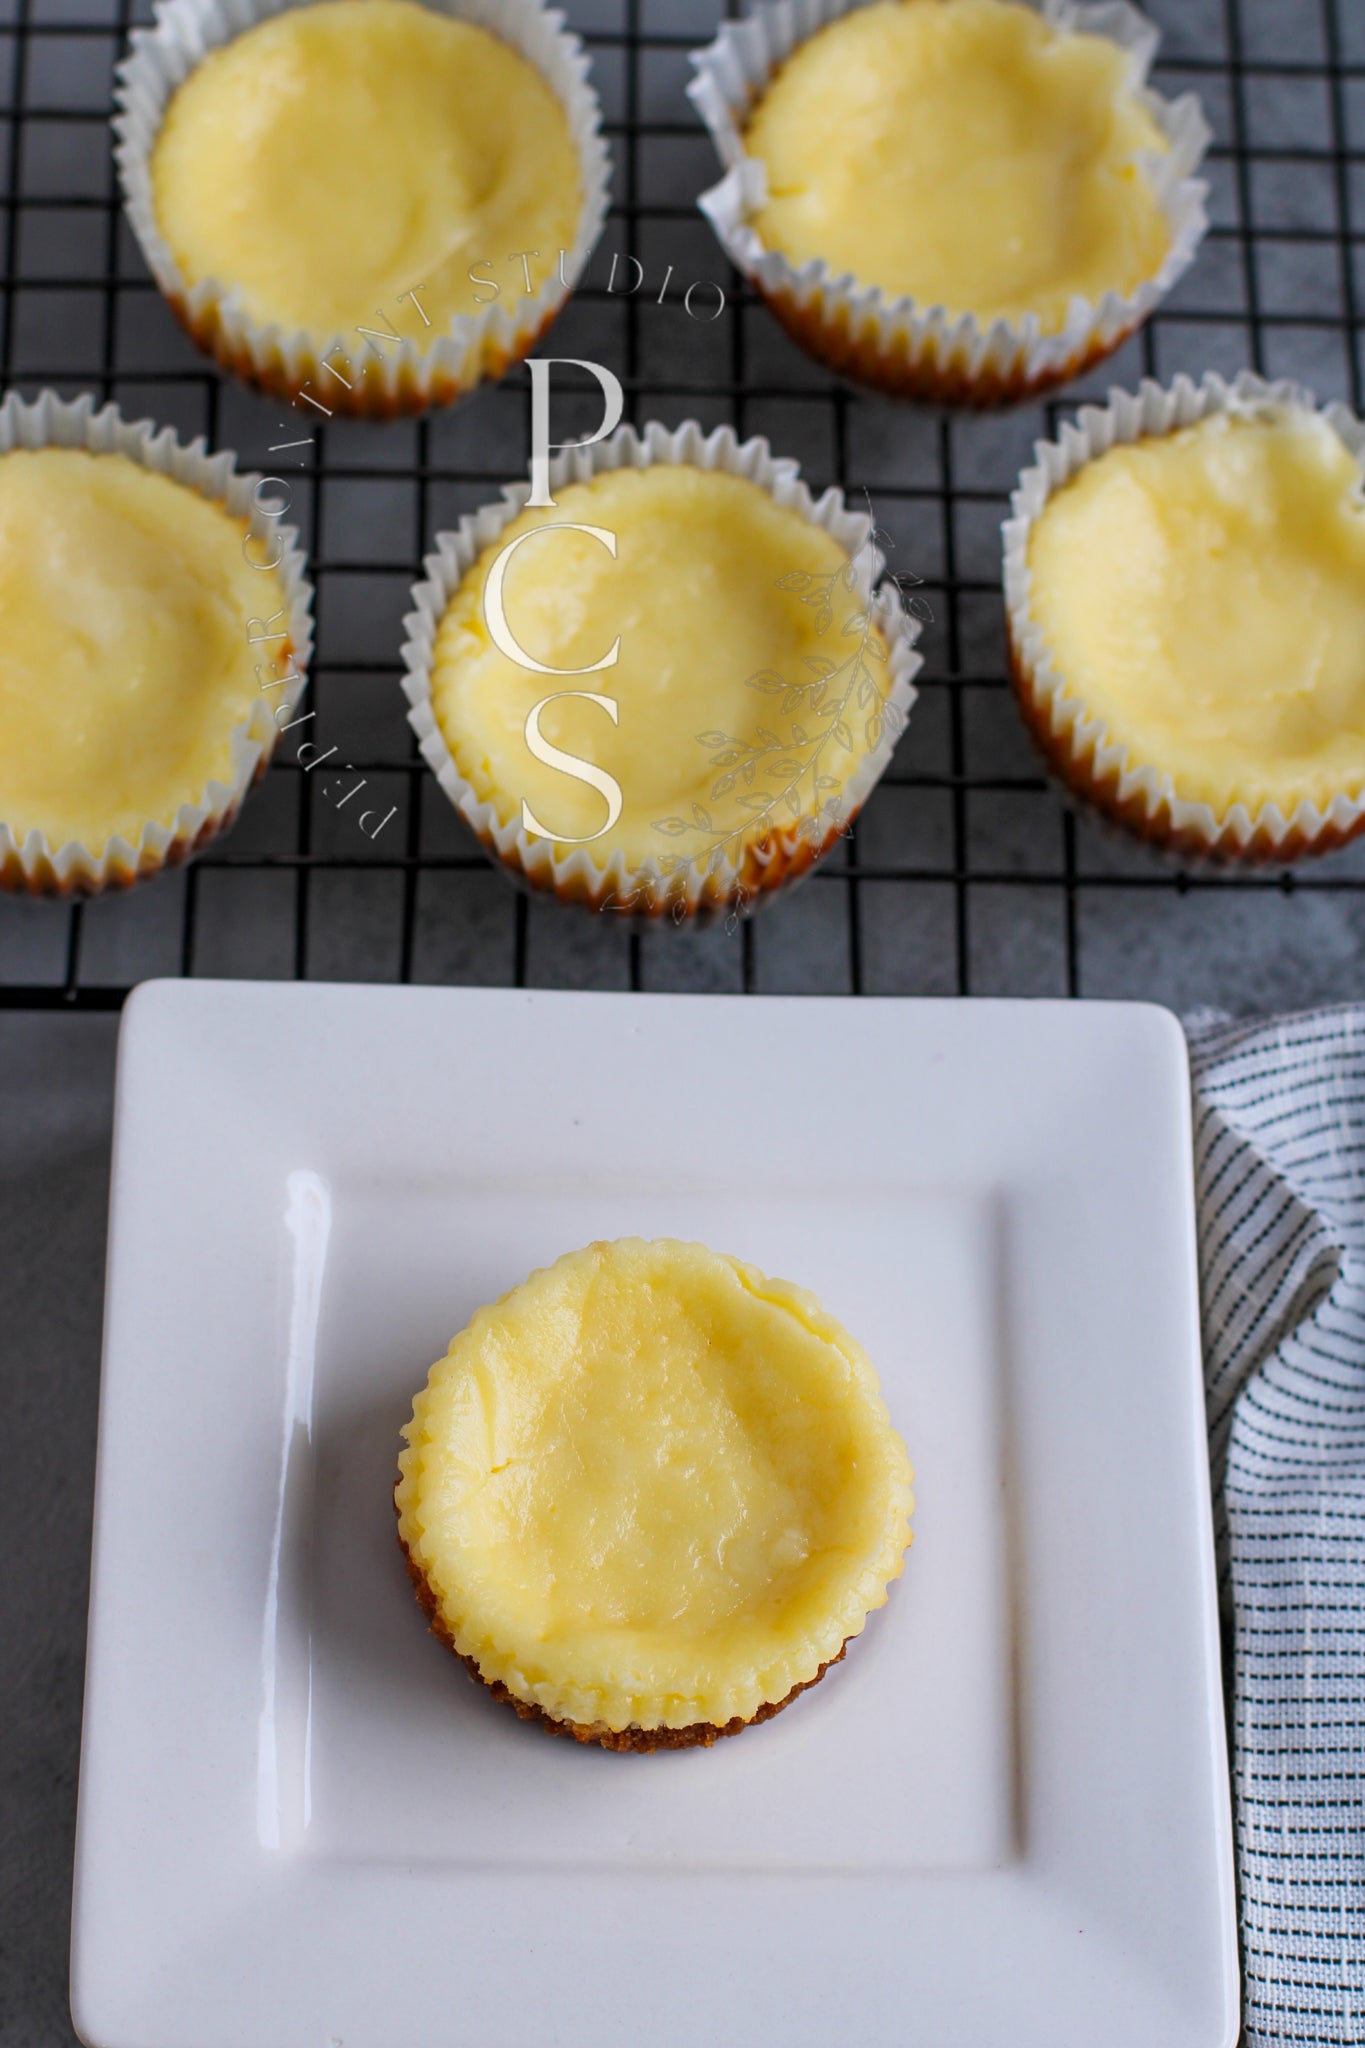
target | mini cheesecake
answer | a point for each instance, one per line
(963, 200)
(335, 160)
(126, 602)
(1194, 604)
(649, 1496)
(964, 154)
(751, 685)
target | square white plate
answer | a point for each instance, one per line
(1004, 1817)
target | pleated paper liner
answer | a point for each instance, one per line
(775, 855)
(33, 865)
(898, 345)
(1139, 795)
(375, 381)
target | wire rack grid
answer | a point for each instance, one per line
(966, 872)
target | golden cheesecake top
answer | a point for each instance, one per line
(336, 157)
(125, 605)
(1203, 594)
(964, 154)
(737, 680)
(650, 1487)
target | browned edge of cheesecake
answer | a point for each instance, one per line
(1158, 828)
(697, 1734)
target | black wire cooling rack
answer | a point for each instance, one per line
(966, 872)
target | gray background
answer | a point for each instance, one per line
(967, 874)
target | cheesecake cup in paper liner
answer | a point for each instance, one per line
(32, 864)
(898, 345)
(726, 882)
(1140, 795)
(426, 369)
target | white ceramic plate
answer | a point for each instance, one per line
(1003, 1818)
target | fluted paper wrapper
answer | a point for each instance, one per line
(899, 345)
(1140, 795)
(421, 370)
(72, 869)
(656, 889)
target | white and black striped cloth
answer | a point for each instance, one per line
(1279, 1127)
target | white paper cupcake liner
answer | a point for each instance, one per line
(1136, 794)
(72, 869)
(417, 371)
(661, 886)
(898, 345)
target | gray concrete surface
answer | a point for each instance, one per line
(56, 1076)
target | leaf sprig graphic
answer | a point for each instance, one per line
(781, 777)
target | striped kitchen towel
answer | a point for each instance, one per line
(1279, 1122)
